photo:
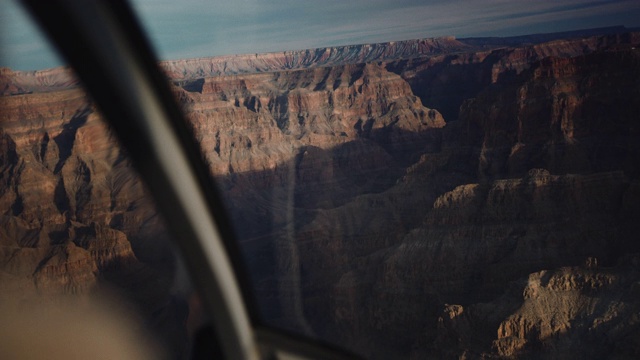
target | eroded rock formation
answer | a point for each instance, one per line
(76, 220)
(432, 198)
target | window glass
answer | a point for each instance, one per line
(463, 196)
(459, 195)
(84, 253)
(444, 189)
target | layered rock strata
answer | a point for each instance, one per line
(75, 217)
(367, 217)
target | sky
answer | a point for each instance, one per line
(201, 28)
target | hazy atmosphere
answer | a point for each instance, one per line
(200, 28)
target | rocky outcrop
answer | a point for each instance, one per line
(587, 311)
(266, 117)
(284, 144)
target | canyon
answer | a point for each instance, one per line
(434, 198)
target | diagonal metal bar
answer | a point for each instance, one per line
(101, 41)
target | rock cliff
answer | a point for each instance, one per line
(75, 218)
(428, 198)
(266, 117)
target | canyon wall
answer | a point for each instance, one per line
(429, 198)
(76, 221)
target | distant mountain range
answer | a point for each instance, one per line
(16, 82)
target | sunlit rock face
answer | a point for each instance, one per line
(254, 122)
(429, 198)
(76, 221)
